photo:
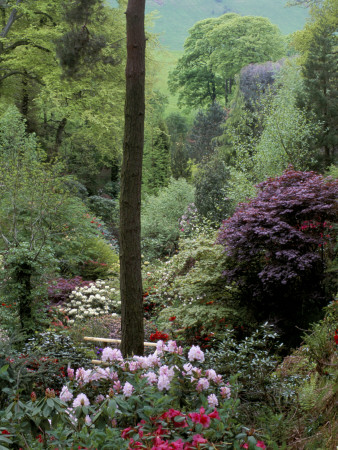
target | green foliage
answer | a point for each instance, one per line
(156, 160)
(207, 127)
(317, 43)
(216, 50)
(81, 119)
(178, 129)
(104, 207)
(98, 259)
(315, 363)
(264, 142)
(288, 131)
(211, 190)
(252, 359)
(160, 215)
(189, 288)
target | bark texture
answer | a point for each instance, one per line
(131, 175)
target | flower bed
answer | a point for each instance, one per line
(162, 401)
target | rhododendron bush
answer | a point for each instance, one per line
(165, 400)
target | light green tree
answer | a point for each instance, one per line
(285, 137)
(216, 50)
(38, 216)
(81, 117)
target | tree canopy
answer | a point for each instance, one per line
(216, 50)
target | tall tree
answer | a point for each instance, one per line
(131, 177)
(79, 116)
(216, 50)
(207, 127)
(318, 46)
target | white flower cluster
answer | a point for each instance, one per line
(97, 299)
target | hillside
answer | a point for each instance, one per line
(175, 17)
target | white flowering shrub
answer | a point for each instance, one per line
(97, 299)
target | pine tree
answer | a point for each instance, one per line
(156, 165)
(321, 86)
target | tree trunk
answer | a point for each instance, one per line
(131, 175)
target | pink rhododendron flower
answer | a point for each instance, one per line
(117, 386)
(260, 444)
(110, 354)
(81, 400)
(202, 384)
(152, 377)
(245, 445)
(163, 383)
(88, 420)
(160, 347)
(70, 373)
(65, 394)
(167, 371)
(212, 400)
(195, 354)
(82, 375)
(171, 347)
(225, 392)
(128, 389)
(211, 374)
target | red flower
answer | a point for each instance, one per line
(125, 432)
(5, 432)
(336, 337)
(171, 319)
(214, 415)
(159, 336)
(201, 418)
(260, 444)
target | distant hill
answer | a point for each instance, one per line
(176, 17)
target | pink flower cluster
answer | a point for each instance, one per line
(112, 381)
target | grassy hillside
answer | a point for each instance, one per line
(177, 16)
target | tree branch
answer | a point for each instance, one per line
(24, 42)
(12, 18)
(18, 72)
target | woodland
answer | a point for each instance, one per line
(221, 257)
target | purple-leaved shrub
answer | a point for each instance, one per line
(279, 245)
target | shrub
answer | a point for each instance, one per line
(97, 299)
(211, 190)
(60, 289)
(93, 258)
(253, 360)
(160, 218)
(190, 287)
(105, 207)
(166, 400)
(279, 245)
